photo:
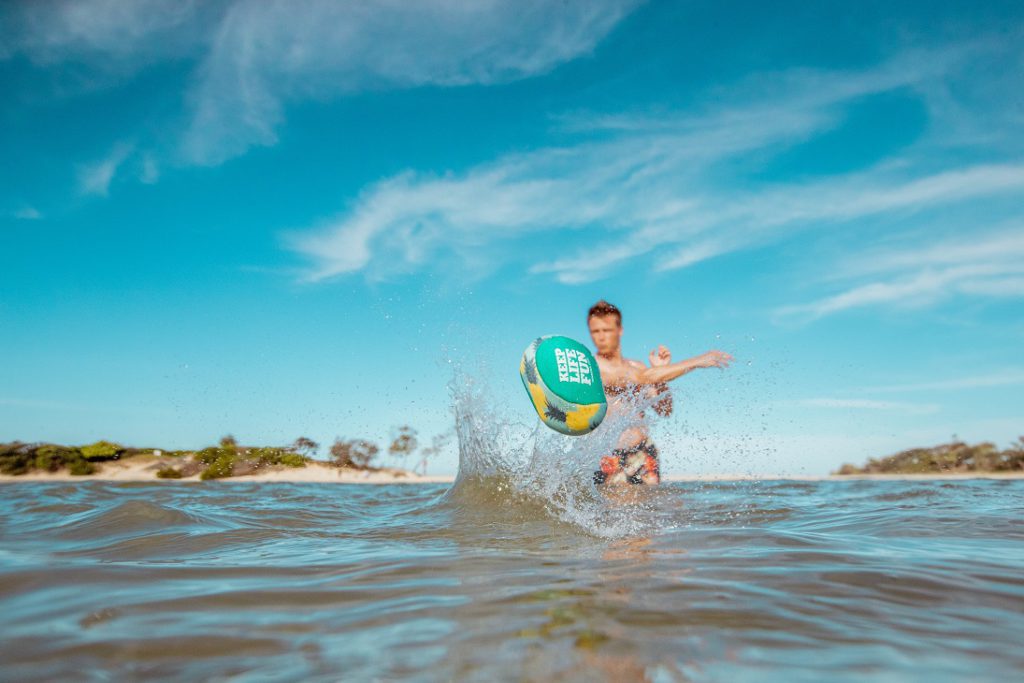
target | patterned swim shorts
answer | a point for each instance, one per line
(629, 465)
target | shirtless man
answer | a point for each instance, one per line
(635, 460)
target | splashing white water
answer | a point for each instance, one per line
(511, 472)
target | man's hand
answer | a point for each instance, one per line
(659, 356)
(714, 359)
(662, 370)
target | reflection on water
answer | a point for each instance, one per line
(727, 581)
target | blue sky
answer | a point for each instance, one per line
(283, 219)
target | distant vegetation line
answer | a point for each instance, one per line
(227, 459)
(951, 458)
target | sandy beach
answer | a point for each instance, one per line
(143, 468)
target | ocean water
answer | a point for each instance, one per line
(495, 579)
(522, 570)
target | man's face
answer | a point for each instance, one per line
(606, 332)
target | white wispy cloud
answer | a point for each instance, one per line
(150, 172)
(648, 189)
(627, 184)
(645, 189)
(1004, 243)
(985, 264)
(106, 34)
(1007, 377)
(265, 54)
(95, 178)
(864, 404)
(28, 213)
(253, 57)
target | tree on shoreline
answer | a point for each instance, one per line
(437, 444)
(305, 446)
(355, 453)
(950, 458)
(403, 444)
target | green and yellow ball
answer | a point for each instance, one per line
(564, 384)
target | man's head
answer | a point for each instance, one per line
(605, 323)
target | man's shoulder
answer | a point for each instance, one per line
(625, 363)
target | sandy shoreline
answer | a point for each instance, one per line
(143, 468)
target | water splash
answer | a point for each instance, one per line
(511, 472)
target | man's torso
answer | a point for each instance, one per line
(623, 399)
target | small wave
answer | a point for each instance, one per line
(909, 494)
(132, 516)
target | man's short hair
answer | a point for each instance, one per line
(603, 308)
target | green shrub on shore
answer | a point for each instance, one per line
(208, 456)
(293, 460)
(238, 460)
(21, 458)
(16, 458)
(219, 460)
(219, 468)
(275, 456)
(81, 468)
(51, 458)
(214, 462)
(168, 473)
(101, 450)
(955, 457)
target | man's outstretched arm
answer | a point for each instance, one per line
(660, 374)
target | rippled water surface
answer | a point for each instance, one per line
(849, 580)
